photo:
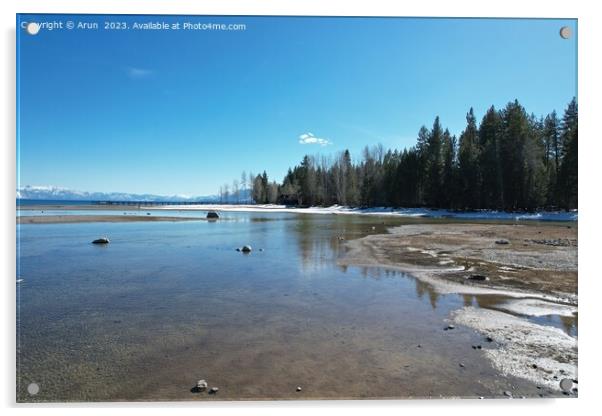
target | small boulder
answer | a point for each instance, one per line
(478, 277)
(103, 240)
(201, 385)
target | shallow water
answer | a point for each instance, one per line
(166, 304)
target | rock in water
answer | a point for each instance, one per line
(201, 385)
(566, 384)
(478, 277)
(246, 249)
(103, 240)
(212, 215)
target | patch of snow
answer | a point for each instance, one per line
(525, 349)
(535, 307)
(383, 211)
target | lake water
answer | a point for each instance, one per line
(168, 303)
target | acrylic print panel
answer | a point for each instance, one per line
(226, 208)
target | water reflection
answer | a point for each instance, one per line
(321, 240)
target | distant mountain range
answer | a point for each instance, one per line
(63, 194)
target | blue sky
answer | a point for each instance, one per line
(182, 112)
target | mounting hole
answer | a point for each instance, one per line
(565, 32)
(32, 28)
(33, 389)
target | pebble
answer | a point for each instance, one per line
(298, 388)
(461, 365)
(508, 393)
(213, 390)
(448, 327)
(489, 339)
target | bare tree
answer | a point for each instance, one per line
(236, 190)
(226, 193)
(273, 193)
(243, 183)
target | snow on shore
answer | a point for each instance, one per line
(383, 211)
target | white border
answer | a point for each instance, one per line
(590, 152)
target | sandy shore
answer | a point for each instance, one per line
(533, 267)
(68, 219)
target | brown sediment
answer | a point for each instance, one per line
(537, 258)
(535, 265)
(67, 219)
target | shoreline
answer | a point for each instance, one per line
(552, 216)
(533, 277)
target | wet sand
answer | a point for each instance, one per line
(69, 219)
(533, 266)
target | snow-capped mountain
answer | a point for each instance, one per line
(56, 193)
(64, 194)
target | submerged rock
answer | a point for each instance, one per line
(103, 240)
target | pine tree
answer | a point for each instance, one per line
(568, 174)
(449, 186)
(490, 131)
(433, 165)
(468, 161)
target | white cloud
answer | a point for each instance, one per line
(138, 72)
(309, 138)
